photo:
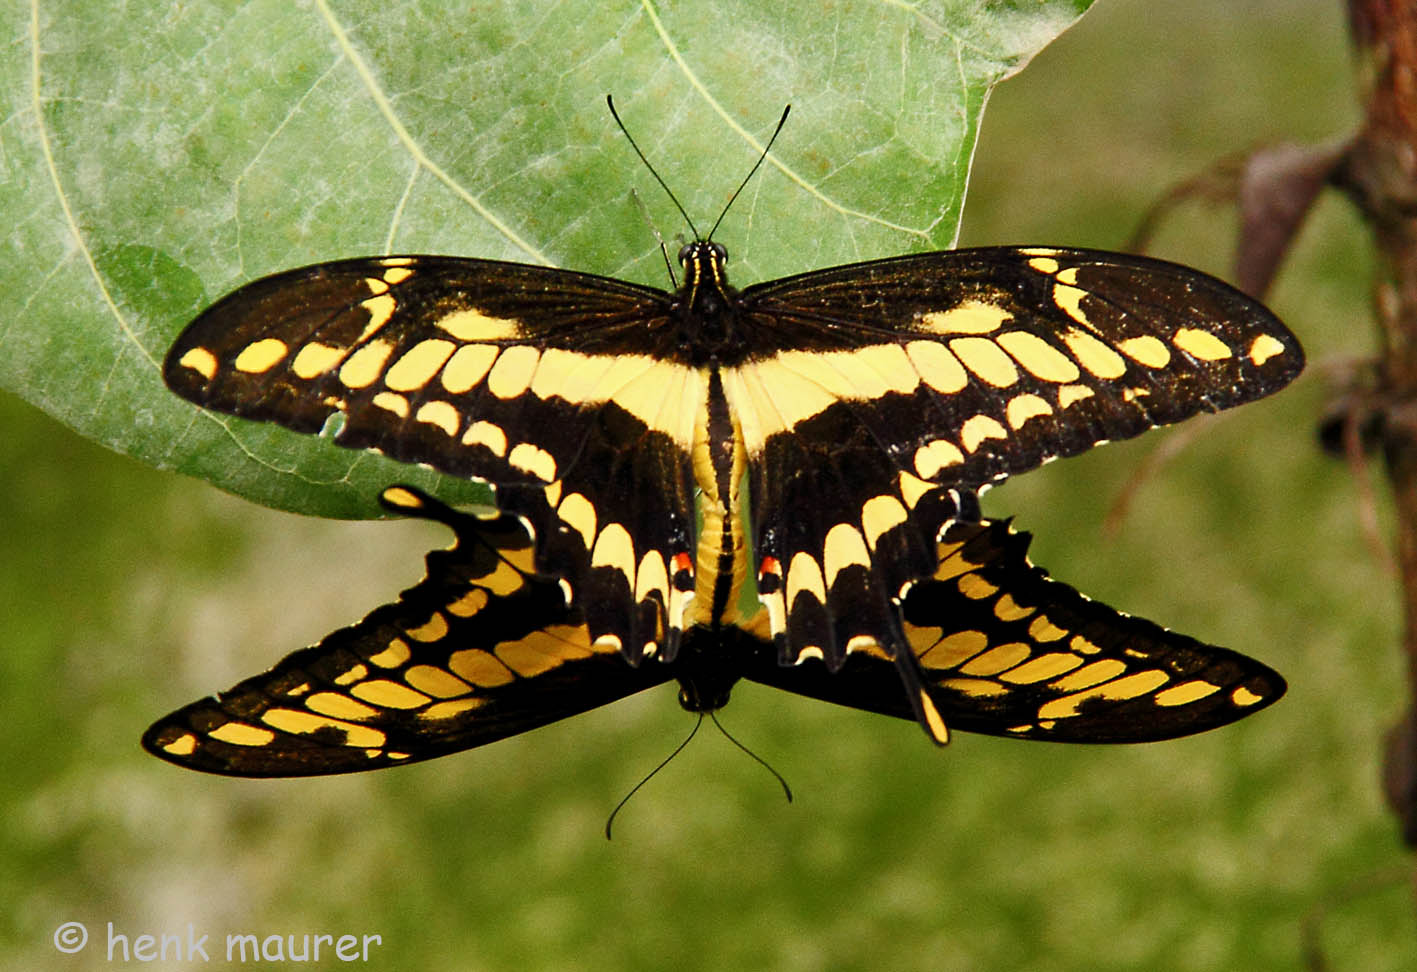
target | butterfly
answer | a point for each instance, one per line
(823, 437)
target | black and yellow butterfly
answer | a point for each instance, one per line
(829, 431)
(864, 407)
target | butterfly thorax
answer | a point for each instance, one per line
(705, 308)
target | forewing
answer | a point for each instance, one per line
(1004, 650)
(520, 376)
(481, 649)
(967, 366)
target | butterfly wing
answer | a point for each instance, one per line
(517, 375)
(481, 649)
(954, 370)
(1004, 650)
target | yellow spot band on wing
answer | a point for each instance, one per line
(261, 356)
(200, 360)
(970, 317)
(1201, 344)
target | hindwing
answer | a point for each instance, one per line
(481, 649)
(1002, 649)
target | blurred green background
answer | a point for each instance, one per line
(128, 592)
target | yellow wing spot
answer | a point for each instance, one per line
(293, 720)
(652, 577)
(1093, 674)
(473, 325)
(986, 359)
(376, 285)
(1068, 276)
(1201, 344)
(487, 435)
(241, 734)
(921, 640)
(614, 548)
(261, 356)
(200, 360)
(183, 745)
(1145, 350)
(399, 496)
(979, 688)
(952, 563)
(436, 682)
(389, 695)
(396, 274)
(503, 580)
(396, 261)
(844, 546)
(975, 587)
(339, 706)
(1040, 358)
(539, 652)
(975, 430)
(1069, 301)
(434, 629)
(970, 317)
(996, 660)
(1038, 251)
(440, 415)
(1244, 697)
(1072, 394)
(362, 368)
(1042, 668)
(534, 460)
(511, 375)
(392, 656)
(314, 359)
(1118, 690)
(392, 402)
(1007, 609)
(935, 456)
(936, 366)
(479, 667)
(417, 366)
(866, 645)
(1021, 408)
(468, 366)
(666, 397)
(469, 604)
(1186, 692)
(1132, 394)
(1041, 629)
(805, 574)
(577, 512)
(913, 488)
(380, 309)
(1265, 347)
(955, 649)
(1094, 355)
(354, 674)
(1044, 265)
(607, 644)
(448, 710)
(879, 514)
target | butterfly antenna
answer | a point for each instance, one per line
(756, 165)
(610, 821)
(609, 100)
(787, 790)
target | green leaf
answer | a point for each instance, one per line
(157, 159)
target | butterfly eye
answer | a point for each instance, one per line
(717, 252)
